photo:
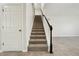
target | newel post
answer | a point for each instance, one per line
(51, 46)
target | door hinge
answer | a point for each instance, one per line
(3, 43)
(2, 10)
(2, 27)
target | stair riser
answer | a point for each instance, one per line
(38, 37)
(37, 42)
(38, 24)
(37, 33)
(37, 30)
(35, 25)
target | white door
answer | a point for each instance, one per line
(11, 30)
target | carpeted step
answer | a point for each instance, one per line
(38, 41)
(37, 47)
(38, 30)
(37, 33)
(38, 37)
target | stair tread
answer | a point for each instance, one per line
(37, 35)
(37, 30)
(37, 49)
(38, 45)
(37, 40)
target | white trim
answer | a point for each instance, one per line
(66, 36)
(24, 51)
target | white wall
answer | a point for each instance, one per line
(37, 7)
(29, 22)
(0, 35)
(0, 27)
(66, 26)
(24, 28)
(64, 18)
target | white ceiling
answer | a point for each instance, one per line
(60, 9)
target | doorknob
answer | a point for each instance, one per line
(3, 43)
(20, 30)
(2, 27)
(2, 10)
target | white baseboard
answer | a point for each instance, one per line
(67, 36)
(24, 51)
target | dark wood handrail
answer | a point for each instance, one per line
(50, 26)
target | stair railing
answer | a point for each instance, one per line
(50, 26)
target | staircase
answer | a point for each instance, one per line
(38, 39)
